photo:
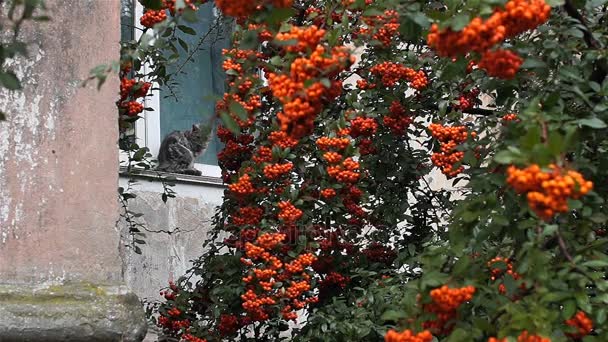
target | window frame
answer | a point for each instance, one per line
(147, 129)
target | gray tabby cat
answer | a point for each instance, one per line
(179, 150)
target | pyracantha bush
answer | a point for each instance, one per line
(405, 171)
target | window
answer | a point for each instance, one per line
(197, 84)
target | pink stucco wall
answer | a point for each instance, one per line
(58, 166)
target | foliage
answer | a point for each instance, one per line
(330, 229)
(13, 15)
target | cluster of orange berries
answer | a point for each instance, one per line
(171, 324)
(326, 143)
(332, 157)
(229, 324)
(500, 63)
(449, 299)
(244, 8)
(300, 263)
(130, 87)
(408, 336)
(467, 99)
(361, 126)
(365, 85)
(328, 193)
(263, 34)
(348, 172)
(445, 303)
(242, 187)
(238, 61)
(397, 121)
(523, 337)
(247, 216)
(301, 104)
(263, 154)
(366, 146)
(450, 138)
(267, 278)
(392, 73)
(274, 171)
(250, 104)
(499, 272)
(509, 117)
(153, 17)
(282, 140)
(289, 213)
(480, 35)
(582, 324)
(384, 27)
(252, 304)
(307, 38)
(234, 60)
(229, 64)
(191, 338)
(548, 192)
(130, 91)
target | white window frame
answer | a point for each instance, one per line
(147, 129)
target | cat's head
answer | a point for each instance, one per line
(198, 139)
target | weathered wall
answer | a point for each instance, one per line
(175, 232)
(58, 171)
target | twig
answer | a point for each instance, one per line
(587, 36)
(563, 247)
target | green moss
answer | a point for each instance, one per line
(53, 294)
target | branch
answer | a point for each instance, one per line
(563, 247)
(472, 111)
(587, 36)
(601, 68)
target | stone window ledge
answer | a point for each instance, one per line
(153, 176)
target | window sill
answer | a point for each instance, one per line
(152, 176)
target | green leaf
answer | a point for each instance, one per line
(532, 63)
(186, 29)
(592, 122)
(595, 263)
(393, 315)
(600, 316)
(152, 4)
(419, 18)
(556, 143)
(569, 309)
(239, 110)
(279, 15)
(183, 44)
(250, 40)
(2, 116)
(230, 123)
(507, 157)
(459, 335)
(460, 21)
(9, 80)
(372, 12)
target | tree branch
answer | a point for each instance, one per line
(563, 247)
(601, 67)
(587, 36)
(472, 111)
